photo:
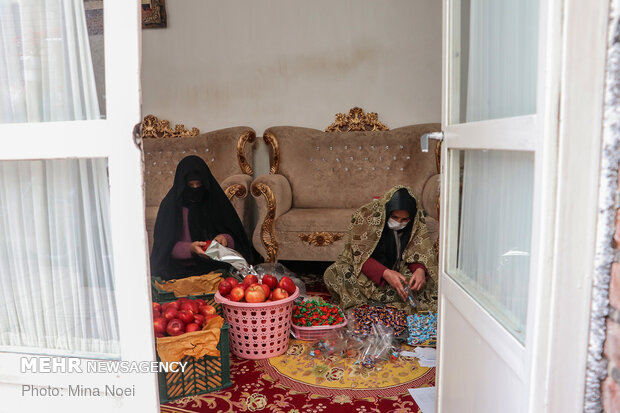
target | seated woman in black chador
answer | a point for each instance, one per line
(194, 211)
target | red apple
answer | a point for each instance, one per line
(224, 287)
(207, 309)
(170, 313)
(287, 284)
(242, 286)
(266, 289)
(191, 306)
(250, 279)
(156, 307)
(172, 304)
(278, 294)
(192, 327)
(209, 317)
(255, 294)
(175, 327)
(156, 314)
(160, 335)
(186, 316)
(200, 302)
(159, 325)
(237, 294)
(199, 319)
(207, 243)
(270, 280)
(233, 281)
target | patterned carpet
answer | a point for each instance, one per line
(298, 383)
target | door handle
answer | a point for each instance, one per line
(432, 135)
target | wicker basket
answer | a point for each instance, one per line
(258, 330)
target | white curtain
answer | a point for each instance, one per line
(56, 279)
(495, 231)
(501, 79)
(46, 71)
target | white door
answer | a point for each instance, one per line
(493, 114)
(74, 290)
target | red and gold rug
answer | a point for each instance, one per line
(298, 383)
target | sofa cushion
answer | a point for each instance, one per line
(315, 219)
(343, 170)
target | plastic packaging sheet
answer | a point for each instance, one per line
(218, 252)
(278, 270)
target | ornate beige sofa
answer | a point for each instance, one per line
(227, 152)
(317, 179)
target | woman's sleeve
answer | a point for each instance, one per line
(230, 242)
(181, 251)
(373, 269)
(415, 265)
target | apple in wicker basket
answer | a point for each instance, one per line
(237, 293)
(266, 289)
(278, 294)
(224, 287)
(233, 281)
(270, 281)
(250, 279)
(287, 284)
(255, 294)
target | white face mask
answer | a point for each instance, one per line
(395, 225)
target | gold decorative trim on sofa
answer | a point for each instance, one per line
(271, 140)
(152, 127)
(321, 239)
(356, 120)
(245, 137)
(268, 236)
(237, 190)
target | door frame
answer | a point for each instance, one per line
(109, 138)
(571, 69)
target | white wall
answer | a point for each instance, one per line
(292, 62)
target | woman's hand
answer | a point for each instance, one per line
(396, 280)
(417, 280)
(221, 240)
(196, 247)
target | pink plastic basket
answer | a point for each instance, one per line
(316, 332)
(258, 330)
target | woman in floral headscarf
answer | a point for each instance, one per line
(387, 252)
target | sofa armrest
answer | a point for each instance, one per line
(236, 186)
(274, 197)
(430, 196)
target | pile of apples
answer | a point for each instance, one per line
(251, 291)
(181, 316)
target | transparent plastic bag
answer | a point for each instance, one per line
(376, 347)
(278, 270)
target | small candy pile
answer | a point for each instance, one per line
(366, 316)
(422, 329)
(312, 313)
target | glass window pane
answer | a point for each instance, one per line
(56, 274)
(495, 219)
(51, 60)
(493, 61)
